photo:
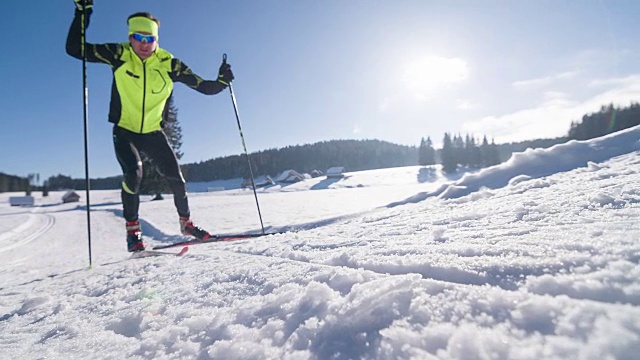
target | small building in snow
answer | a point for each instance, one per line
(70, 196)
(21, 200)
(290, 176)
(316, 173)
(268, 181)
(335, 172)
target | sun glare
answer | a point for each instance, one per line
(425, 76)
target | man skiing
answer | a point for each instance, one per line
(143, 78)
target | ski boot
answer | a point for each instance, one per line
(187, 228)
(134, 237)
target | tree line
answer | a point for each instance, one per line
(457, 151)
(354, 155)
(12, 183)
(606, 121)
(609, 119)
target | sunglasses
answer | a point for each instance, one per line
(144, 38)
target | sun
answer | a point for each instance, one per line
(428, 75)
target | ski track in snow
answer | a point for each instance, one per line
(26, 232)
(506, 278)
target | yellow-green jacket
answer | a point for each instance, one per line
(140, 89)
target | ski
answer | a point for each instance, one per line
(154, 252)
(215, 238)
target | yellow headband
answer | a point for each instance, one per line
(143, 24)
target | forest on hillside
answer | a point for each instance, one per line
(354, 155)
(11, 183)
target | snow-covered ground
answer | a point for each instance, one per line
(537, 258)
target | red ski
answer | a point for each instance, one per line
(148, 253)
(214, 238)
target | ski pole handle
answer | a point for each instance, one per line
(224, 58)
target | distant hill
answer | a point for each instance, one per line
(354, 155)
(11, 183)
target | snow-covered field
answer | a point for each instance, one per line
(537, 258)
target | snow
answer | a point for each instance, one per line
(536, 258)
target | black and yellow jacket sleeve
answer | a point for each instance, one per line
(140, 89)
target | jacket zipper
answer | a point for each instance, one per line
(144, 93)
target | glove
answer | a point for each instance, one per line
(80, 4)
(225, 75)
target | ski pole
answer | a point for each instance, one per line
(253, 184)
(85, 98)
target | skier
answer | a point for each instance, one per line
(143, 78)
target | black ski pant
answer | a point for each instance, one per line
(156, 147)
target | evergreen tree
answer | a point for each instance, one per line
(152, 181)
(4, 183)
(33, 180)
(494, 154)
(473, 152)
(45, 189)
(61, 182)
(489, 152)
(449, 163)
(459, 157)
(426, 152)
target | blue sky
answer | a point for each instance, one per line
(309, 71)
